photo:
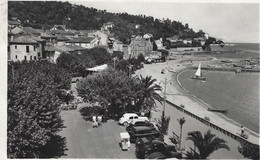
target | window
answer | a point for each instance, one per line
(25, 58)
(15, 47)
(34, 57)
(34, 48)
(30, 57)
(133, 47)
(8, 48)
(39, 54)
(27, 49)
(15, 56)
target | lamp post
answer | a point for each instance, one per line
(165, 82)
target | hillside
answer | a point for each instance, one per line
(42, 14)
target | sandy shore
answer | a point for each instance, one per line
(178, 96)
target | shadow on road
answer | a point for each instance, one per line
(55, 148)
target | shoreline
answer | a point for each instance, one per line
(212, 107)
(178, 96)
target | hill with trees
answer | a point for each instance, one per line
(45, 14)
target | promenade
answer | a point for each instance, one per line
(178, 96)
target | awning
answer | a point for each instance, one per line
(98, 68)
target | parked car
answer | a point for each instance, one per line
(139, 123)
(143, 131)
(128, 118)
(155, 149)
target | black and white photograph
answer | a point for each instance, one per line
(130, 79)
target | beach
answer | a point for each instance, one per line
(178, 96)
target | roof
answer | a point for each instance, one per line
(12, 22)
(98, 68)
(82, 40)
(45, 35)
(30, 30)
(76, 47)
(62, 38)
(52, 48)
(143, 128)
(16, 30)
(38, 39)
(23, 40)
(58, 25)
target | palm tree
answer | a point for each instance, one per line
(181, 122)
(147, 93)
(206, 145)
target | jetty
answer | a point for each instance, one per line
(218, 110)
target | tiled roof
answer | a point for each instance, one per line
(30, 30)
(12, 22)
(23, 40)
(82, 40)
(76, 47)
(62, 38)
(38, 39)
(45, 35)
(16, 30)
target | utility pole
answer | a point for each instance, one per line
(164, 99)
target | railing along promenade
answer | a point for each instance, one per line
(208, 123)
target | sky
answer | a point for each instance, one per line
(233, 22)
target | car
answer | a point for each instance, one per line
(139, 123)
(143, 131)
(128, 118)
(148, 148)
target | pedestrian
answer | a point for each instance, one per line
(99, 118)
(242, 130)
(95, 124)
(94, 118)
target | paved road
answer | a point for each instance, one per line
(83, 141)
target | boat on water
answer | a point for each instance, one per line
(198, 74)
(218, 110)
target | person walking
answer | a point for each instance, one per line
(99, 119)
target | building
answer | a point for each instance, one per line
(159, 43)
(14, 23)
(107, 26)
(24, 48)
(139, 45)
(103, 37)
(118, 46)
(86, 42)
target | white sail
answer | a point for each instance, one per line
(198, 72)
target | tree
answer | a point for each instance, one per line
(206, 144)
(33, 107)
(181, 122)
(248, 150)
(141, 58)
(147, 92)
(112, 89)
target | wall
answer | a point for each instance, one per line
(20, 52)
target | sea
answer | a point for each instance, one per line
(238, 93)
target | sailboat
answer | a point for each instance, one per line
(198, 74)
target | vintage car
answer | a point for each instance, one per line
(143, 131)
(139, 123)
(146, 148)
(128, 118)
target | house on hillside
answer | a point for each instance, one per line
(104, 36)
(61, 40)
(187, 41)
(59, 27)
(107, 26)
(14, 23)
(159, 43)
(31, 31)
(147, 36)
(24, 47)
(86, 42)
(118, 46)
(139, 45)
(50, 39)
(64, 33)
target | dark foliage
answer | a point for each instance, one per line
(33, 107)
(248, 150)
(48, 13)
